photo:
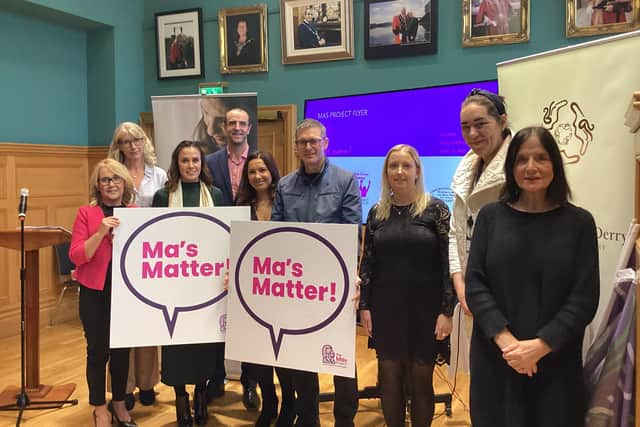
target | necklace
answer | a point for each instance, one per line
(399, 209)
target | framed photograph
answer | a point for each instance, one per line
(316, 31)
(400, 28)
(491, 22)
(179, 44)
(243, 39)
(595, 17)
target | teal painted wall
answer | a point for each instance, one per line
(294, 83)
(44, 94)
(85, 55)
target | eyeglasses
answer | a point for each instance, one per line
(314, 142)
(136, 141)
(107, 180)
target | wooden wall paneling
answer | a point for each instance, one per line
(57, 179)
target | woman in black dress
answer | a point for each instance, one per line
(260, 176)
(189, 184)
(407, 299)
(533, 286)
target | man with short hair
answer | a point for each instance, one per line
(226, 168)
(318, 192)
(226, 165)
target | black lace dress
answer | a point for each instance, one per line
(405, 280)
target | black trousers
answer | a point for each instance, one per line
(95, 311)
(247, 378)
(307, 389)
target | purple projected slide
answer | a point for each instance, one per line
(370, 124)
(362, 128)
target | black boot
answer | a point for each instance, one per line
(200, 406)
(268, 414)
(183, 411)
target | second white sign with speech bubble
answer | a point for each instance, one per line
(290, 295)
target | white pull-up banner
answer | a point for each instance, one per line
(581, 93)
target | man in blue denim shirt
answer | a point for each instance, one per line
(318, 192)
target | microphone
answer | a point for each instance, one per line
(22, 207)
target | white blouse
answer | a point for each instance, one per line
(153, 180)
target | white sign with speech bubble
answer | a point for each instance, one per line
(168, 268)
(290, 295)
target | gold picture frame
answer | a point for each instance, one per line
(316, 30)
(598, 17)
(247, 52)
(491, 22)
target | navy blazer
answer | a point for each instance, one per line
(219, 168)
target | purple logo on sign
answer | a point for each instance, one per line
(278, 334)
(170, 318)
(328, 355)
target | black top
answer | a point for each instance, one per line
(536, 274)
(405, 279)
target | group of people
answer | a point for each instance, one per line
(521, 260)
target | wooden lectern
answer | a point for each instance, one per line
(35, 238)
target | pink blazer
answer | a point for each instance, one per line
(91, 272)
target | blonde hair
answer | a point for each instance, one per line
(134, 130)
(422, 197)
(116, 168)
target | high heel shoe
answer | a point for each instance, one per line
(129, 423)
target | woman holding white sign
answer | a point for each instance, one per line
(260, 176)
(407, 299)
(132, 147)
(189, 184)
(90, 250)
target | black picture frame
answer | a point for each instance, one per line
(387, 34)
(179, 47)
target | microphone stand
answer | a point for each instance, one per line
(22, 399)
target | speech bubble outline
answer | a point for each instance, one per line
(170, 319)
(277, 341)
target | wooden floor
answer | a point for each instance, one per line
(62, 360)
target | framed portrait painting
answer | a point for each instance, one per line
(316, 31)
(179, 44)
(243, 39)
(396, 28)
(596, 17)
(491, 22)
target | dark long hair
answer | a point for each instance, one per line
(246, 193)
(173, 174)
(494, 104)
(558, 191)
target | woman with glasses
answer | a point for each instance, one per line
(131, 146)
(407, 300)
(478, 180)
(111, 187)
(189, 184)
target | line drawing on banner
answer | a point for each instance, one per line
(277, 334)
(169, 318)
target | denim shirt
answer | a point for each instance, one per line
(332, 196)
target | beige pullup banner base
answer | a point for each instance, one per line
(581, 93)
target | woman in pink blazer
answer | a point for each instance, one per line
(111, 186)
